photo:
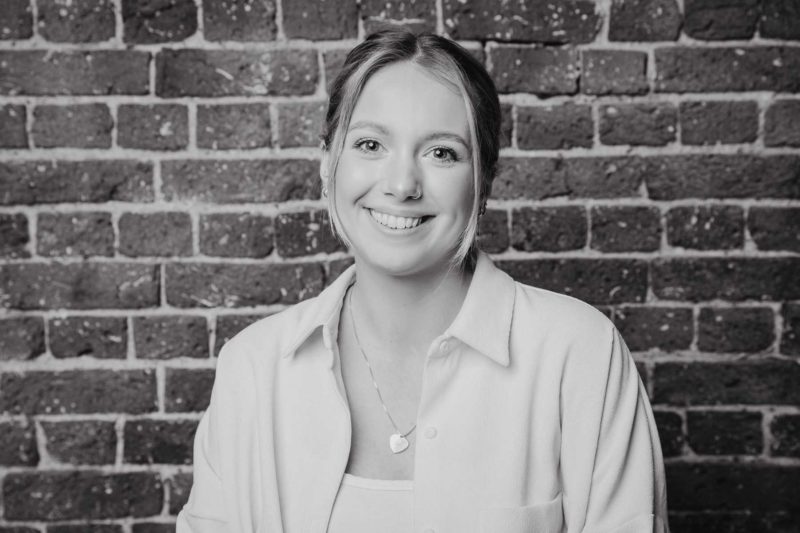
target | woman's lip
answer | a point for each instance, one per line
(398, 214)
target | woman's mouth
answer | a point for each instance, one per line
(395, 222)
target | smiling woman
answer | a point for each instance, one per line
(424, 389)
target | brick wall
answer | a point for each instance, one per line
(159, 191)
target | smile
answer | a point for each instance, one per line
(394, 222)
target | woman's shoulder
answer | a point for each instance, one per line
(558, 311)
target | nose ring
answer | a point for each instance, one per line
(417, 194)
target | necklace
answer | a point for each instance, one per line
(398, 442)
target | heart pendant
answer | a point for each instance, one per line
(398, 443)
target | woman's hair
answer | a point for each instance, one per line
(450, 64)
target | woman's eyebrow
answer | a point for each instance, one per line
(367, 124)
(446, 135)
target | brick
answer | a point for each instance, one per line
(224, 127)
(320, 19)
(333, 61)
(79, 286)
(232, 285)
(16, 20)
(715, 20)
(779, 19)
(709, 69)
(21, 338)
(236, 235)
(98, 337)
(18, 444)
(606, 72)
(597, 281)
(79, 392)
(775, 228)
(555, 127)
(47, 182)
(414, 15)
(493, 230)
(301, 124)
(188, 389)
(179, 487)
(74, 126)
(713, 122)
(77, 21)
(241, 181)
(709, 227)
(780, 126)
(625, 229)
(336, 268)
(506, 125)
(153, 527)
(762, 382)
(732, 279)
(228, 326)
(670, 433)
(725, 433)
(159, 441)
(560, 22)
(166, 337)
(100, 72)
(785, 431)
(662, 328)
(69, 234)
(790, 336)
(239, 20)
(158, 21)
(192, 72)
(14, 235)
(86, 528)
(542, 71)
(730, 522)
(644, 20)
(155, 234)
(83, 494)
(722, 176)
(85, 442)
(638, 124)
(306, 233)
(13, 132)
(550, 229)
(153, 127)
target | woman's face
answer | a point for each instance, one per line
(404, 182)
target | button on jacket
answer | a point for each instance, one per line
(532, 418)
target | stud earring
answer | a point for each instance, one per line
(324, 191)
(482, 209)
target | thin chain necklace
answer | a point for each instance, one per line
(398, 442)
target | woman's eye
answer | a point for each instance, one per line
(444, 154)
(368, 145)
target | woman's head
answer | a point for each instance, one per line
(444, 63)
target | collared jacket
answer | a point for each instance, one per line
(532, 418)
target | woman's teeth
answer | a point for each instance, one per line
(393, 222)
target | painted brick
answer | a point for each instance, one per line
(725, 433)
(715, 20)
(236, 235)
(625, 229)
(644, 20)
(158, 21)
(542, 71)
(85, 442)
(555, 127)
(239, 20)
(21, 338)
(305, 233)
(155, 234)
(414, 15)
(99, 337)
(159, 441)
(12, 126)
(614, 72)
(179, 487)
(790, 336)
(320, 19)
(780, 19)
(548, 229)
(670, 433)
(68, 234)
(77, 21)
(775, 228)
(16, 20)
(301, 124)
(493, 231)
(188, 389)
(75, 126)
(785, 431)
(229, 325)
(780, 127)
(18, 444)
(14, 235)
(712, 122)
(167, 337)
(706, 227)
(662, 328)
(153, 127)
(225, 127)
(638, 124)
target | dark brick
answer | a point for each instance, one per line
(159, 441)
(320, 19)
(725, 433)
(663, 328)
(12, 125)
(99, 337)
(306, 233)
(638, 124)
(18, 444)
(99, 72)
(301, 124)
(14, 235)
(86, 442)
(745, 382)
(780, 127)
(153, 527)
(236, 235)
(86, 528)
(625, 229)
(670, 433)
(550, 229)
(79, 392)
(333, 61)
(224, 127)
(775, 228)
(166, 337)
(21, 338)
(82, 234)
(644, 20)
(713, 122)
(76, 21)
(733, 279)
(731, 522)
(232, 285)
(614, 72)
(493, 231)
(555, 127)
(597, 281)
(188, 389)
(179, 487)
(229, 325)
(706, 69)
(155, 234)
(79, 286)
(336, 268)
(75, 126)
(19, 530)
(414, 15)
(46, 182)
(506, 125)
(780, 19)
(563, 21)
(83, 494)
(542, 71)
(241, 181)
(153, 127)
(239, 20)
(785, 431)
(158, 21)
(715, 20)
(790, 337)
(709, 227)
(16, 20)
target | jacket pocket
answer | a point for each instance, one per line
(547, 517)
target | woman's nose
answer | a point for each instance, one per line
(403, 180)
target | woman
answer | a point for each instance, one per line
(424, 390)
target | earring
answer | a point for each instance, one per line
(324, 191)
(482, 209)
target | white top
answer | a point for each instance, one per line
(365, 505)
(532, 417)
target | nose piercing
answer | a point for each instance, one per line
(417, 194)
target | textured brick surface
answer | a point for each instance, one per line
(188, 389)
(662, 328)
(152, 127)
(160, 234)
(239, 20)
(735, 330)
(157, 441)
(781, 119)
(548, 228)
(554, 128)
(14, 235)
(625, 229)
(670, 433)
(779, 19)
(614, 72)
(13, 133)
(493, 231)
(775, 228)
(785, 431)
(223, 127)
(305, 233)
(179, 486)
(100, 337)
(648, 124)
(230, 325)
(76, 21)
(541, 71)
(730, 522)
(706, 228)
(711, 122)
(320, 19)
(166, 337)
(236, 235)
(16, 19)
(644, 20)
(82, 443)
(790, 336)
(82, 234)
(415, 15)
(724, 433)
(720, 19)
(21, 338)
(76, 126)
(18, 444)
(301, 124)
(158, 21)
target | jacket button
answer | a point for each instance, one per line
(430, 432)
